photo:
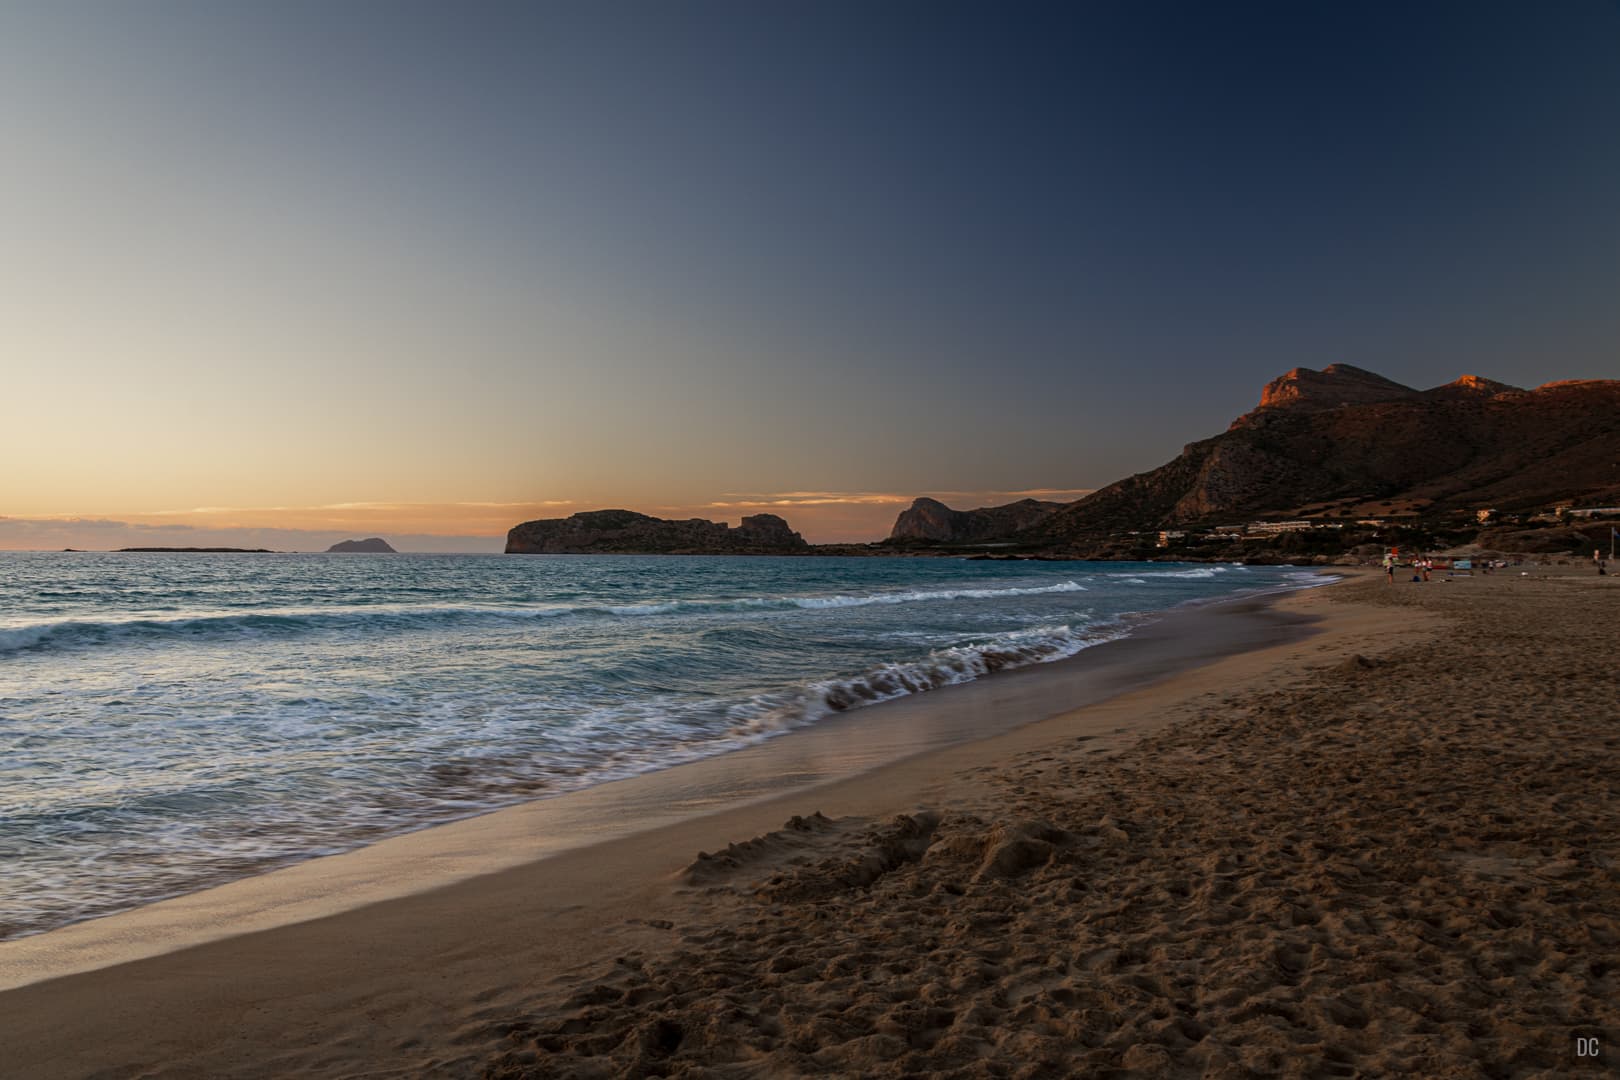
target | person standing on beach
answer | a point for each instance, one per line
(1389, 566)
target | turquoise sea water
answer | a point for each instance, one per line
(169, 721)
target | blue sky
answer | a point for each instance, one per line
(272, 258)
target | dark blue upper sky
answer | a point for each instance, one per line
(637, 248)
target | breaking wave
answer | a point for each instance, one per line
(1202, 573)
(940, 668)
(69, 633)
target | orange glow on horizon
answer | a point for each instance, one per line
(821, 516)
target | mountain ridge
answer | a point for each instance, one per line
(1347, 435)
(1344, 443)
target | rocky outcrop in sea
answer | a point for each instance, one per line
(625, 532)
(931, 520)
(372, 545)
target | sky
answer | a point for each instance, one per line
(282, 273)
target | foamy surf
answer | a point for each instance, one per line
(940, 668)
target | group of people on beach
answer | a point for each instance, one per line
(1421, 567)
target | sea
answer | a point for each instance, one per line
(169, 721)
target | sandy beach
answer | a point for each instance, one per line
(1387, 847)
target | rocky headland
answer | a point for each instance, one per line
(932, 521)
(1333, 465)
(625, 532)
(1345, 443)
(1333, 460)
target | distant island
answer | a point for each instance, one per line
(374, 545)
(1332, 466)
(205, 550)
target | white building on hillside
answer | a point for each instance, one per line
(1269, 528)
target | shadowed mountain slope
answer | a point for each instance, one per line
(1349, 436)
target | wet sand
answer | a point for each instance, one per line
(1389, 847)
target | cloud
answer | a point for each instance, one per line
(1054, 494)
(810, 498)
(965, 499)
(854, 516)
(364, 507)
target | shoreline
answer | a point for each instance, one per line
(824, 551)
(835, 748)
(496, 890)
(1392, 850)
(377, 713)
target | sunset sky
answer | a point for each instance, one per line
(280, 273)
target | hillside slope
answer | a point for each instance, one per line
(1347, 436)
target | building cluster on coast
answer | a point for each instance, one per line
(1536, 532)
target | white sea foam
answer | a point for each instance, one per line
(838, 601)
(941, 594)
(942, 667)
(80, 632)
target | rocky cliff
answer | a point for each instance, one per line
(625, 532)
(375, 545)
(1333, 387)
(1347, 442)
(933, 521)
